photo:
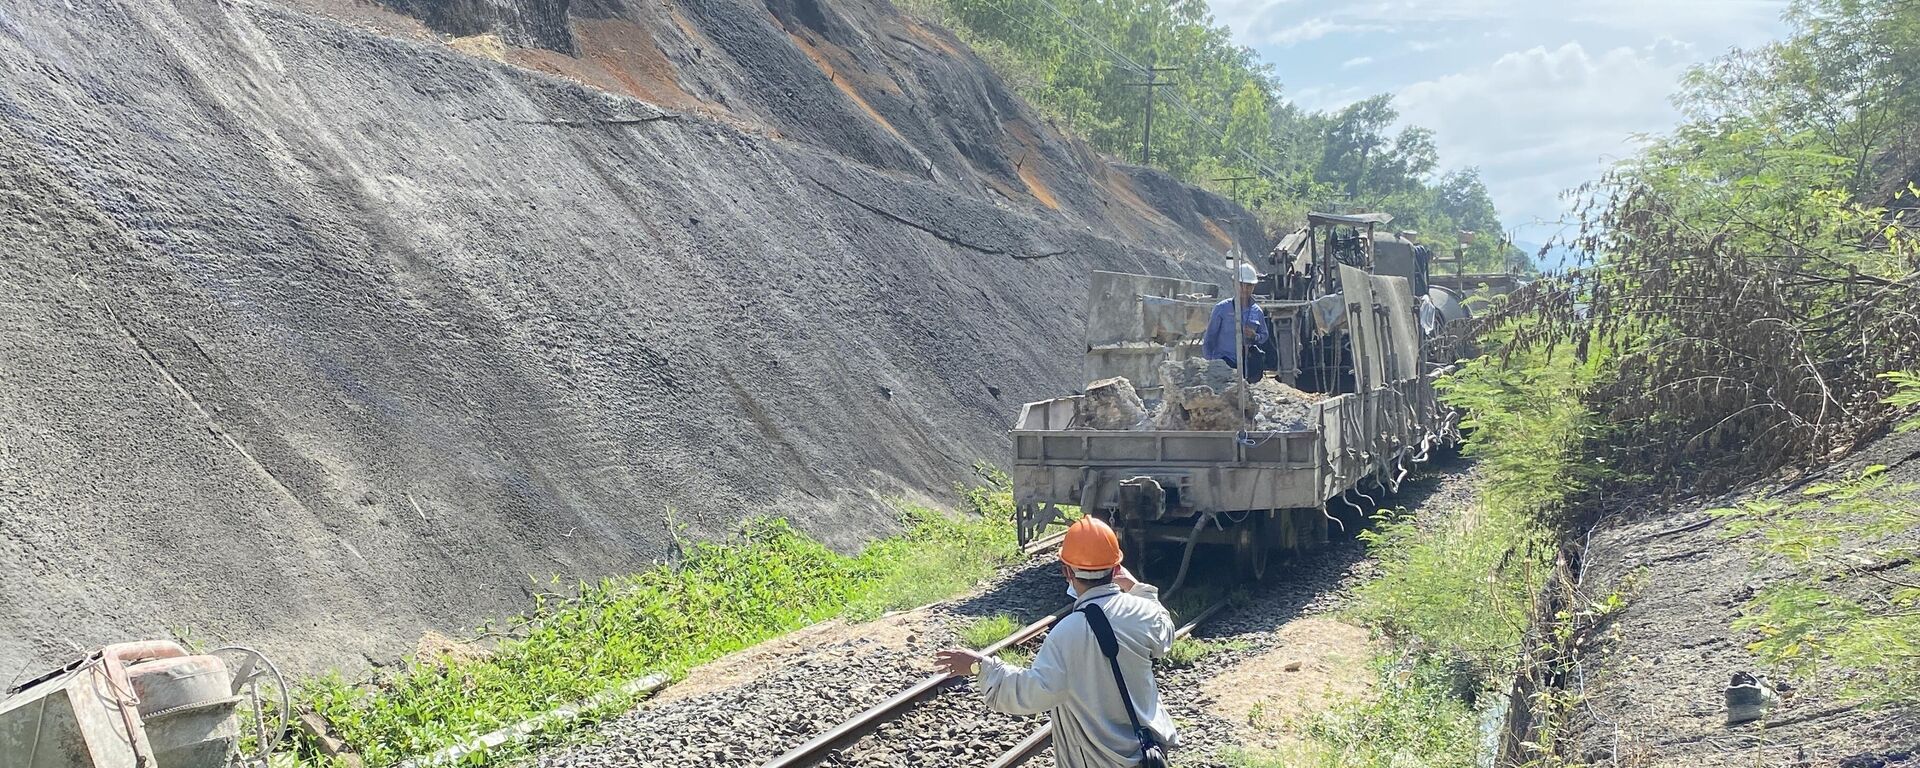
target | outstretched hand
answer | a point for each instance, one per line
(957, 662)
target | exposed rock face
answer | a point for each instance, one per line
(522, 23)
(319, 332)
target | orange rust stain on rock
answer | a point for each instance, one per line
(1219, 235)
(923, 34)
(1122, 189)
(1026, 152)
(1006, 190)
(841, 80)
(686, 27)
(1037, 187)
(622, 56)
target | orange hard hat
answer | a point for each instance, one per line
(1090, 546)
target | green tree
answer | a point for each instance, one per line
(1755, 278)
(1356, 134)
(1222, 113)
(1464, 198)
(1250, 126)
(1846, 82)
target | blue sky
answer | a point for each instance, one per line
(1540, 95)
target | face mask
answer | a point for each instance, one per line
(1071, 592)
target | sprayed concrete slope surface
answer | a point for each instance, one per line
(326, 322)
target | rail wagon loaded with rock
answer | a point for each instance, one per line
(1180, 452)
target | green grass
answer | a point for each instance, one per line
(1017, 656)
(1413, 718)
(721, 597)
(986, 631)
(1187, 651)
(1454, 593)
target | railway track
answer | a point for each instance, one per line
(824, 748)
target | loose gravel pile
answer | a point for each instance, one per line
(748, 724)
(755, 721)
(951, 729)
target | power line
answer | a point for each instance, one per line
(1177, 100)
(1153, 83)
(1038, 32)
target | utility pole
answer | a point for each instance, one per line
(1153, 81)
(1460, 255)
(1234, 190)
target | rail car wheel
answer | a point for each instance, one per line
(1251, 545)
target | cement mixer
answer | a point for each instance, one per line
(148, 704)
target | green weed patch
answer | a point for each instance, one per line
(1454, 593)
(721, 597)
(1415, 716)
(989, 630)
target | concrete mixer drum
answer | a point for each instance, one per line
(148, 704)
(266, 706)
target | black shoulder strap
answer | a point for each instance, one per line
(1110, 647)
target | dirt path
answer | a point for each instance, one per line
(1249, 694)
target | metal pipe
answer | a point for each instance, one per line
(1186, 559)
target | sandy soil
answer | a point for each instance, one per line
(1314, 663)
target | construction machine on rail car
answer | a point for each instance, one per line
(1352, 320)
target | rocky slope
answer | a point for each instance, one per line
(1652, 689)
(327, 323)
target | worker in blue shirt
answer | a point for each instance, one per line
(1220, 341)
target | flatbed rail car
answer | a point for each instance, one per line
(1252, 492)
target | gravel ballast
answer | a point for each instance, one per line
(810, 692)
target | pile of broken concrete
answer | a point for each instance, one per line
(1200, 395)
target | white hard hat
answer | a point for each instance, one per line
(1247, 274)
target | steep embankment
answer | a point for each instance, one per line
(1653, 683)
(323, 327)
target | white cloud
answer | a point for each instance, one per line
(1249, 19)
(1328, 99)
(1538, 121)
(1686, 18)
(1542, 94)
(1311, 29)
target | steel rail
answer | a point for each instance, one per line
(819, 747)
(1042, 736)
(1041, 544)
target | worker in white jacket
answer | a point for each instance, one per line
(1070, 679)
